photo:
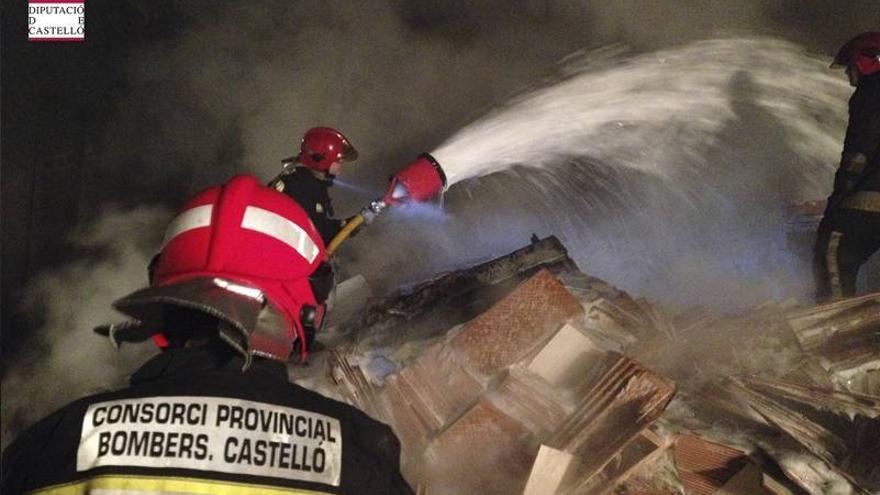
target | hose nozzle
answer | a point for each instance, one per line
(420, 181)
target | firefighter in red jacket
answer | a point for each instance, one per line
(850, 229)
(229, 302)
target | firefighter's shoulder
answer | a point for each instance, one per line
(38, 456)
(356, 419)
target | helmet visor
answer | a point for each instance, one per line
(348, 153)
(261, 329)
(235, 304)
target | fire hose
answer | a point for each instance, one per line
(345, 233)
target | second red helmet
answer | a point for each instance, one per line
(321, 146)
(863, 52)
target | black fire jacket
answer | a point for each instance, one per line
(860, 162)
(312, 194)
(190, 424)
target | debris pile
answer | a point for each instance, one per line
(525, 375)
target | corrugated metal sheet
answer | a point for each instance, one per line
(703, 466)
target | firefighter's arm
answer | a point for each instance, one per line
(863, 128)
(383, 448)
(17, 460)
(852, 167)
(19, 470)
(10, 473)
(862, 141)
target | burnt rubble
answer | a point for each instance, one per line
(523, 375)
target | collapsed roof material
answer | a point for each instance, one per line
(524, 375)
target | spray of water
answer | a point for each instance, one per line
(621, 111)
(668, 174)
(424, 212)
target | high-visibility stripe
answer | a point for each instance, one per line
(251, 292)
(193, 218)
(863, 200)
(149, 485)
(274, 225)
(833, 266)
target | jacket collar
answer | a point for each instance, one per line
(183, 362)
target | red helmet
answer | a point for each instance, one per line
(863, 52)
(243, 253)
(321, 146)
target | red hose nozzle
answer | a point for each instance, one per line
(420, 181)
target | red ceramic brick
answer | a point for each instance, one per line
(518, 325)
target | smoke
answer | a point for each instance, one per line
(236, 90)
(659, 112)
(65, 359)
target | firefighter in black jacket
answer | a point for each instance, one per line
(229, 300)
(322, 153)
(850, 229)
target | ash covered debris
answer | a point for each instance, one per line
(525, 375)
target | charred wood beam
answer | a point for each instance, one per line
(547, 253)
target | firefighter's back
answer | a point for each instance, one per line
(191, 424)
